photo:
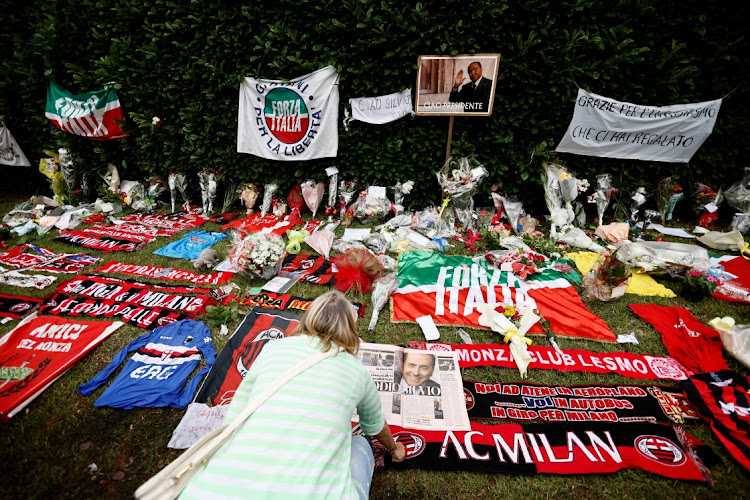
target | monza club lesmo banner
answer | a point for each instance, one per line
(38, 351)
(569, 448)
(290, 120)
(451, 289)
(627, 364)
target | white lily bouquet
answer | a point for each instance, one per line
(257, 254)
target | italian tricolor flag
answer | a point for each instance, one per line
(91, 114)
(451, 289)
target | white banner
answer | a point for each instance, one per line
(290, 121)
(10, 153)
(382, 109)
(613, 129)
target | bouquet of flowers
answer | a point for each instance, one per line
(738, 197)
(607, 280)
(313, 195)
(704, 195)
(176, 181)
(257, 254)
(697, 285)
(668, 193)
(248, 196)
(519, 263)
(459, 180)
(638, 199)
(399, 191)
(368, 208)
(551, 180)
(381, 292)
(500, 318)
(268, 191)
(207, 183)
(604, 192)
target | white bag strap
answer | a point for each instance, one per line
(171, 480)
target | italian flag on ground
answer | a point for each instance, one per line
(91, 114)
(451, 289)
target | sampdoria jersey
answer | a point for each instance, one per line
(155, 375)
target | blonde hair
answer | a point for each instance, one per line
(332, 319)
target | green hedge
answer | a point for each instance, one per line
(183, 62)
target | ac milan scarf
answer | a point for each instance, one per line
(312, 268)
(38, 351)
(96, 242)
(693, 344)
(30, 256)
(135, 295)
(579, 403)
(569, 448)
(16, 307)
(723, 400)
(254, 223)
(91, 114)
(258, 328)
(94, 282)
(142, 317)
(122, 233)
(168, 224)
(284, 302)
(165, 273)
(571, 360)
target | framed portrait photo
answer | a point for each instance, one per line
(462, 85)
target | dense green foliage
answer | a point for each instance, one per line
(183, 62)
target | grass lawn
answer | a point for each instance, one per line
(46, 450)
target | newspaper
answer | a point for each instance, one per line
(418, 389)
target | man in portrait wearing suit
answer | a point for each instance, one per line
(476, 94)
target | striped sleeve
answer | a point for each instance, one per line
(370, 409)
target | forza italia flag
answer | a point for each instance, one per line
(451, 289)
(91, 114)
(290, 121)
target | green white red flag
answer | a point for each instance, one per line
(451, 289)
(91, 114)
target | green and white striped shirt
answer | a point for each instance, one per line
(298, 443)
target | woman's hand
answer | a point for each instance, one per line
(399, 454)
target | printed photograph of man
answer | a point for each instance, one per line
(417, 370)
(475, 92)
(462, 85)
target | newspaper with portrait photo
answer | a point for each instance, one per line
(418, 389)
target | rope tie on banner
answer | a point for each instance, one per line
(745, 249)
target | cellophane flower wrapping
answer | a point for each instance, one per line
(176, 182)
(738, 194)
(460, 179)
(207, 183)
(313, 195)
(553, 194)
(333, 184)
(737, 342)
(513, 210)
(603, 186)
(347, 190)
(366, 209)
(357, 268)
(268, 191)
(295, 200)
(67, 168)
(608, 278)
(400, 190)
(257, 254)
(383, 288)
(663, 257)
